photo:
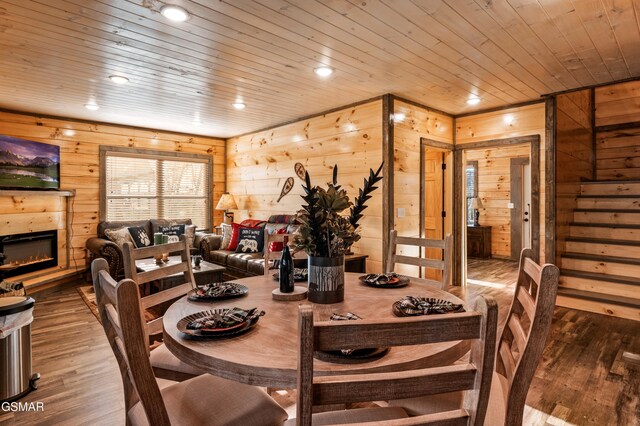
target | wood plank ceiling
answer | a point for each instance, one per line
(57, 56)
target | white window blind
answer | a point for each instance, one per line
(140, 187)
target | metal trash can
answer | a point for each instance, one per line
(16, 380)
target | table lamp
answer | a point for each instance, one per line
(476, 204)
(226, 203)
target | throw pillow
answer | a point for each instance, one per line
(277, 246)
(139, 236)
(226, 235)
(173, 231)
(235, 233)
(119, 236)
(250, 240)
(190, 234)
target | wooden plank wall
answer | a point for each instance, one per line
(618, 150)
(501, 124)
(259, 163)
(494, 188)
(418, 123)
(79, 170)
(574, 157)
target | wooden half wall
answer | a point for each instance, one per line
(79, 143)
(258, 165)
(574, 157)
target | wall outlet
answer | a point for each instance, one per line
(511, 206)
(401, 212)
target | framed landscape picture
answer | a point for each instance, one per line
(28, 165)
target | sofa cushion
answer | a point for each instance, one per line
(235, 236)
(250, 240)
(173, 231)
(239, 260)
(282, 218)
(226, 230)
(220, 256)
(102, 226)
(119, 236)
(140, 236)
(255, 266)
(252, 223)
(157, 223)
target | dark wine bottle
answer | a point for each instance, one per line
(286, 268)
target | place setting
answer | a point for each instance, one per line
(221, 322)
(350, 356)
(386, 280)
(413, 305)
(217, 291)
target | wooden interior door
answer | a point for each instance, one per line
(433, 202)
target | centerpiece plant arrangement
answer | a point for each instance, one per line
(326, 233)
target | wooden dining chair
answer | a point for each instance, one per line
(441, 264)
(131, 254)
(202, 400)
(519, 350)
(271, 256)
(164, 363)
(473, 377)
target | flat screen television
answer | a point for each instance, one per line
(28, 165)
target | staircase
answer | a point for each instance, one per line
(600, 268)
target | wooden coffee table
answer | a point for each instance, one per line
(207, 273)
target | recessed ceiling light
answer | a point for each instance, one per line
(323, 71)
(474, 100)
(239, 105)
(92, 107)
(119, 79)
(174, 13)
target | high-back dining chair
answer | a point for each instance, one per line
(519, 350)
(131, 254)
(474, 377)
(165, 364)
(202, 400)
(269, 256)
(443, 264)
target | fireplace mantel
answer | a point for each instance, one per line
(26, 192)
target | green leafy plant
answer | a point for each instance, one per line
(324, 232)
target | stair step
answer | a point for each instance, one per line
(620, 279)
(610, 187)
(615, 202)
(595, 285)
(613, 231)
(629, 217)
(611, 265)
(603, 247)
(622, 307)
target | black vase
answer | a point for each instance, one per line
(326, 279)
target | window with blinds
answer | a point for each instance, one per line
(140, 186)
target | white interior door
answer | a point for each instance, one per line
(526, 206)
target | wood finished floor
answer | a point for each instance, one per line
(580, 380)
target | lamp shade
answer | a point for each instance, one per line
(227, 202)
(476, 203)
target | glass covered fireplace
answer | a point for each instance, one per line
(29, 252)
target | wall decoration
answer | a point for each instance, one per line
(300, 170)
(286, 188)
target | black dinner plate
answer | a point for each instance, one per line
(216, 332)
(193, 296)
(355, 357)
(402, 282)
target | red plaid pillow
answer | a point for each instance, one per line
(235, 236)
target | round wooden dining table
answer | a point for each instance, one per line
(266, 355)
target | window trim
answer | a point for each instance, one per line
(151, 154)
(474, 165)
